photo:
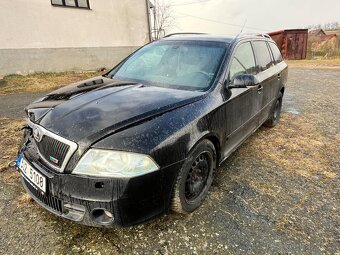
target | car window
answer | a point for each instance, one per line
(148, 61)
(174, 64)
(243, 61)
(276, 53)
(263, 57)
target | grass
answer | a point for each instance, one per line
(41, 82)
(296, 170)
(337, 32)
(297, 145)
(315, 63)
(10, 133)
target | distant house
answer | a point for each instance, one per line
(322, 35)
(63, 35)
(316, 32)
(328, 37)
(291, 42)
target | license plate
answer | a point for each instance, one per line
(31, 174)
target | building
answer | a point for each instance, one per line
(291, 42)
(322, 35)
(317, 32)
(63, 35)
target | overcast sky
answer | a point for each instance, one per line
(257, 15)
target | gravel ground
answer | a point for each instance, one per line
(12, 106)
(277, 194)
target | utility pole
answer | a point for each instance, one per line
(155, 31)
(149, 21)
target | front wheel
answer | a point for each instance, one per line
(275, 114)
(194, 179)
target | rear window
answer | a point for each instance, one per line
(263, 57)
(276, 53)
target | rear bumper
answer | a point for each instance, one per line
(130, 201)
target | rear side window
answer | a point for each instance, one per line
(263, 57)
(243, 61)
(276, 53)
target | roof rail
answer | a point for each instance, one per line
(169, 35)
(265, 36)
(256, 34)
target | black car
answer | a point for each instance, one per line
(146, 137)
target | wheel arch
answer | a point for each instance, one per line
(215, 140)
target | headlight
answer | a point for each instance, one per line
(107, 163)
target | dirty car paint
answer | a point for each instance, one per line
(160, 122)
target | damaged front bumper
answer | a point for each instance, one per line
(101, 202)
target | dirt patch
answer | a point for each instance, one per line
(41, 82)
(24, 200)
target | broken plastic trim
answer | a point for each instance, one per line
(12, 164)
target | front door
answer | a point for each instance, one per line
(242, 108)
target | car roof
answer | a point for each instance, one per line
(213, 38)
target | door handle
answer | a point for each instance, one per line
(259, 89)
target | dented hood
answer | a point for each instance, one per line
(88, 113)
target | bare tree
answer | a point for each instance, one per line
(163, 18)
(327, 26)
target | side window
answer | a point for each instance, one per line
(263, 57)
(243, 61)
(276, 53)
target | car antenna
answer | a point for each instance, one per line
(238, 35)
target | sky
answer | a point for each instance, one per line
(229, 16)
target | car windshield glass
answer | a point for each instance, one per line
(173, 64)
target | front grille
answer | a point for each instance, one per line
(50, 201)
(53, 150)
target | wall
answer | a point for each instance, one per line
(291, 42)
(36, 36)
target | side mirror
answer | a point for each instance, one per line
(243, 81)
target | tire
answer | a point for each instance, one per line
(194, 179)
(275, 114)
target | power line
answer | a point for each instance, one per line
(220, 22)
(189, 3)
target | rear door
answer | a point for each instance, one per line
(281, 68)
(267, 76)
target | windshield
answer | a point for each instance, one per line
(173, 64)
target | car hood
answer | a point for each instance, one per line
(110, 106)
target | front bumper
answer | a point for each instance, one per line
(130, 201)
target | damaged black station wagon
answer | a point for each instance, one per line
(146, 137)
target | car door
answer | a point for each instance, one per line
(267, 76)
(242, 108)
(281, 68)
